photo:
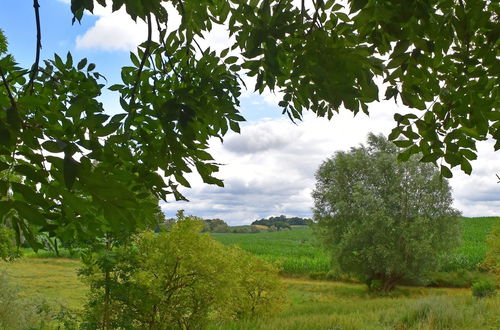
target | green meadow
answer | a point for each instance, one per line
(312, 304)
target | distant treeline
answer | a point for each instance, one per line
(220, 226)
(213, 226)
(282, 222)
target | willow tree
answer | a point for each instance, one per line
(382, 220)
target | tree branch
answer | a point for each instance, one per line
(34, 69)
(143, 61)
(9, 93)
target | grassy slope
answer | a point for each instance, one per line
(313, 304)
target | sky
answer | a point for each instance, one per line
(269, 168)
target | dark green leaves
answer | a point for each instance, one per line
(438, 59)
(70, 170)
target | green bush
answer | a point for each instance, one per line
(483, 289)
(456, 279)
(492, 261)
(8, 247)
(177, 280)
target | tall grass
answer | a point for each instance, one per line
(323, 305)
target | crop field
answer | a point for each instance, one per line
(296, 250)
(299, 253)
(473, 247)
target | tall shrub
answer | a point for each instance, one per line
(177, 280)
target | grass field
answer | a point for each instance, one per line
(53, 278)
(341, 306)
(312, 304)
(299, 253)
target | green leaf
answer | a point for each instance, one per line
(29, 213)
(31, 173)
(29, 194)
(82, 64)
(234, 126)
(53, 146)
(445, 172)
(70, 170)
(403, 143)
(466, 166)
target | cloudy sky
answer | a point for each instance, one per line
(269, 167)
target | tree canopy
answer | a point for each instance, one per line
(84, 172)
(383, 220)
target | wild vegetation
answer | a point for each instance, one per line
(55, 294)
(173, 280)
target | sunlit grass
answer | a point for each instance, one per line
(312, 304)
(331, 305)
(54, 279)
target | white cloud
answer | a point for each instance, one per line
(113, 31)
(270, 168)
(116, 31)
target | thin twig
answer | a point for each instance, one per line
(315, 17)
(143, 61)
(166, 53)
(34, 70)
(9, 93)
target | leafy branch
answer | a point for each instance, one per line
(143, 61)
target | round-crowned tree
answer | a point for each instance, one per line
(384, 221)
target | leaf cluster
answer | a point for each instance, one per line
(82, 171)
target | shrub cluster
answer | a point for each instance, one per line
(179, 279)
(482, 289)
